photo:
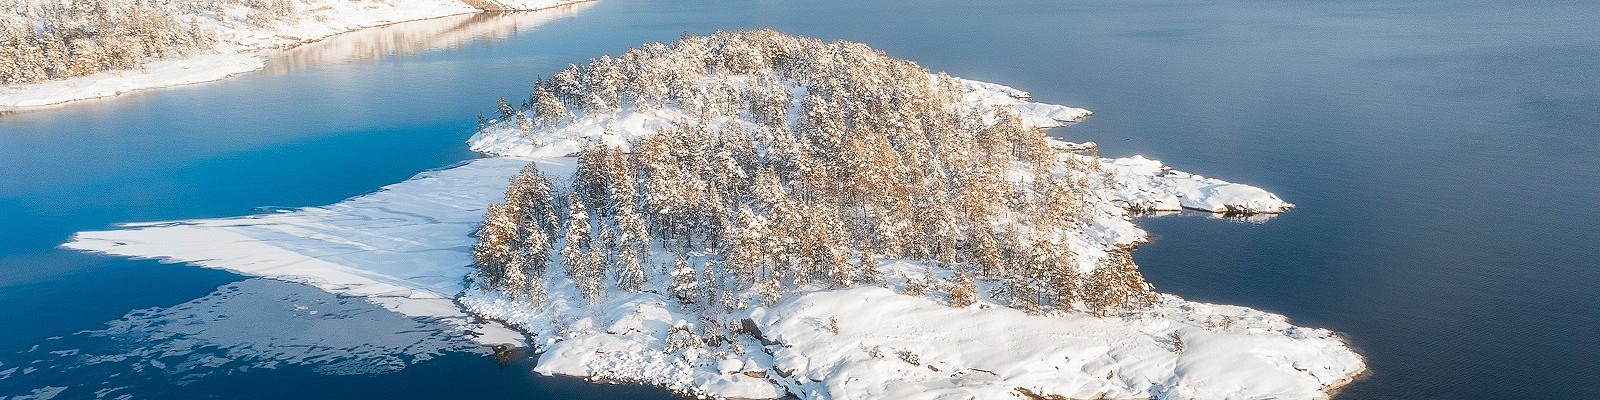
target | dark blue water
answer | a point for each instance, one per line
(1442, 154)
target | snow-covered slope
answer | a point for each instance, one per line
(238, 44)
(407, 248)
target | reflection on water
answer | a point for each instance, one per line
(415, 37)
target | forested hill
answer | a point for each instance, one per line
(790, 163)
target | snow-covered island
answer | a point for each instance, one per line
(54, 51)
(756, 215)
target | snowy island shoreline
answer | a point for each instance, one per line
(409, 246)
(242, 49)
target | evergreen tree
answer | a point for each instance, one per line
(630, 276)
(684, 284)
(964, 292)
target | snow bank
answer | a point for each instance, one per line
(201, 68)
(238, 45)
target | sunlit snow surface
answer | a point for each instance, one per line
(407, 248)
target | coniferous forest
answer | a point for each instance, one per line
(798, 164)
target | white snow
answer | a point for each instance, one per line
(895, 346)
(407, 247)
(239, 45)
(200, 68)
(1144, 184)
(987, 352)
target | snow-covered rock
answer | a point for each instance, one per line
(1149, 185)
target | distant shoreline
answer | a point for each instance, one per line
(244, 57)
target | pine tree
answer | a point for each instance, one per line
(575, 250)
(1115, 285)
(964, 292)
(534, 252)
(630, 276)
(506, 111)
(547, 108)
(492, 253)
(869, 272)
(592, 285)
(708, 282)
(684, 284)
(770, 290)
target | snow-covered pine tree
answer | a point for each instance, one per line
(534, 252)
(492, 253)
(964, 292)
(593, 286)
(708, 283)
(1115, 285)
(630, 275)
(547, 108)
(684, 284)
(868, 268)
(507, 112)
(575, 250)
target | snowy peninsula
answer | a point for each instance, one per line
(755, 215)
(60, 51)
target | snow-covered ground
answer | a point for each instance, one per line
(239, 45)
(407, 247)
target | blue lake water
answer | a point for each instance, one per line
(1442, 155)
